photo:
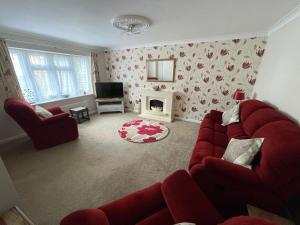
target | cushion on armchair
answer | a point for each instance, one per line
(42, 111)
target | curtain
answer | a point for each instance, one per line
(47, 76)
(9, 85)
(95, 70)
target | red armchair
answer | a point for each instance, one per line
(178, 199)
(275, 177)
(44, 132)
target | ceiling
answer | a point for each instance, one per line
(88, 21)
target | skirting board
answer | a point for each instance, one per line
(188, 120)
(9, 139)
(176, 118)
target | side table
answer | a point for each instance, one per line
(81, 114)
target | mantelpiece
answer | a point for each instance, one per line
(157, 105)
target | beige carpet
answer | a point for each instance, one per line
(95, 169)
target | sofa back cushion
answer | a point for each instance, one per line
(255, 114)
(279, 165)
(279, 158)
(23, 113)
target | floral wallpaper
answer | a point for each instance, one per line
(206, 76)
(9, 85)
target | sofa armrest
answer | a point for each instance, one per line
(86, 217)
(135, 207)
(186, 202)
(227, 172)
(55, 118)
(216, 115)
(55, 110)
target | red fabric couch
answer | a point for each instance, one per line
(44, 132)
(177, 199)
(275, 177)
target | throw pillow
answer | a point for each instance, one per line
(242, 151)
(231, 116)
(42, 112)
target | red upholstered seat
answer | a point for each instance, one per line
(162, 217)
(212, 139)
(44, 132)
(275, 177)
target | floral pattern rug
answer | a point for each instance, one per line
(143, 131)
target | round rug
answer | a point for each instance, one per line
(143, 131)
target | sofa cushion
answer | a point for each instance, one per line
(186, 201)
(86, 217)
(236, 131)
(242, 152)
(250, 106)
(279, 167)
(42, 112)
(212, 139)
(120, 212)
(162, 217)
(261, 117)
(231, 116)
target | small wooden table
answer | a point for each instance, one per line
(81, 114)
(254, 211)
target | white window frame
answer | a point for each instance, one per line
(53, 70)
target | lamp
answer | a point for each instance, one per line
(239, 95)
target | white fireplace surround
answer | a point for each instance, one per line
(166, 97)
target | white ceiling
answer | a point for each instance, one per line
(88, 21)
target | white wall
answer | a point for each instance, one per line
(8, 194)
(278, 81)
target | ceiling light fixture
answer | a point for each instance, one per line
(131, 24)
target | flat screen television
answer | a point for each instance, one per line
(109, 89)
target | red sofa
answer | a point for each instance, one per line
(275, 177)
(44, 132)
(177, 199)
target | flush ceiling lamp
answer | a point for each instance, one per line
(131, 24)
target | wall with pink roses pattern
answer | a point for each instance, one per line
(207, 73)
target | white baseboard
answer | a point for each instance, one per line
(176, 118)
(188, 120)
(9, 139)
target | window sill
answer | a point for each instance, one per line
(60, 99)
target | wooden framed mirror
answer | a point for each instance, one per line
(160, 70)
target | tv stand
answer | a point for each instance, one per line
(110, 105)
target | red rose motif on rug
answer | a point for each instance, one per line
(149, 139)
(149, 130)
(132, 123)
(123, 133)
(143, 131)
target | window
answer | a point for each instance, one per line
(47, 76)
